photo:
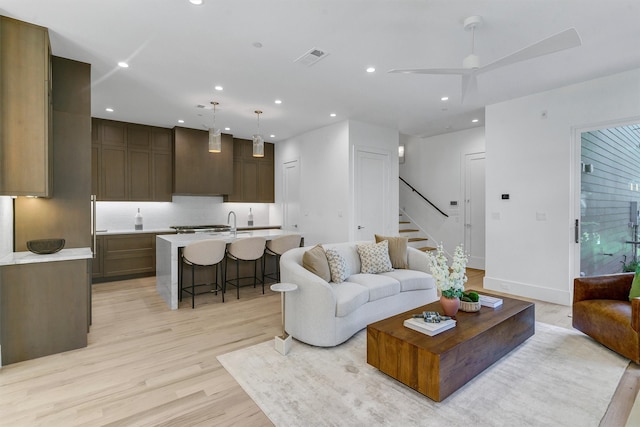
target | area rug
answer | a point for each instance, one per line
(558, 377)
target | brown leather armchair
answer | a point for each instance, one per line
(601, 309)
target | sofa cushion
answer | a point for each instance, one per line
(397, 250)
(379, 286)
(374, 257)
(315, 260)
(338, 266)
(635, 285)
(411, 280)
(349, 297)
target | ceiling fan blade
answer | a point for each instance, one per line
(469, 87)
(458, 71)
(564, 40)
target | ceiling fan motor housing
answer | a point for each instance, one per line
(472, 22)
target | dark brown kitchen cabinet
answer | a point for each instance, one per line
(253, 176)
(131, 162)
(25, 110)
(67, 214)
(162, 176)
(196, 170)
(124, 255)
(113, 168)
(96, 265)
(140, 181)
(127, 254)
(43, 309)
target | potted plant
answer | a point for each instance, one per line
(450, 281)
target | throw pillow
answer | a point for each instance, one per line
(315, 260)
(397, 250)
(635, 286)
(374, 257)
(338, 266)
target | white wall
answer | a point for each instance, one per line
(323, 156)
(184, 210)
(326, 161)
(6, 225)
(529, 156)
(434, 166)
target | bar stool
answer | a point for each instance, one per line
(278, 246)
(203, 253)
(245, 249)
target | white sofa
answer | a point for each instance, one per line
(326, 314)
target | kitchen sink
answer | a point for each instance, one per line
(200, 228)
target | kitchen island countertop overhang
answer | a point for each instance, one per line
(167, 246)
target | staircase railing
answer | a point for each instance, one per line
(425, 199)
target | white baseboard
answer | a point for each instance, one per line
(527, 290)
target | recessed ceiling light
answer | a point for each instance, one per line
(444, 98)
(474, 121)
(371, 70)
(123, 64)
(196, 2)
(227, 128)
(272, 136)
(332, 114)
(109, 109)
(218, 87)
(278, 101)
(180, 121)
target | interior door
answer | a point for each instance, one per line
(372, 176)
(474, 209)
(291, 195)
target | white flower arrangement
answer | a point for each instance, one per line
(449, 281)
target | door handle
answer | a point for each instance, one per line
(577, 231)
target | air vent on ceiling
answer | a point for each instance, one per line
(204, 107)
(311, 57)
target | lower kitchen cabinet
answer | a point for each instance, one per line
(121, 255)
(44, 309)
(96, 267)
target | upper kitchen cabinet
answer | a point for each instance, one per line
(196, 170)
(25, 110)
(252, 176)
(131, 162)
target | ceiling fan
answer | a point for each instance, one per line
(471, 64)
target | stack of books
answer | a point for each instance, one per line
(488, 301)
(431, 329)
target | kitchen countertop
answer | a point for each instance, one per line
(171, 230)
(185, 238)
(31, 258)
(132, 231)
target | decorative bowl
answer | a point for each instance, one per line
(469, 306)
(45, 246)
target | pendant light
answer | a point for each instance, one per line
(215, 136)
(258, 142)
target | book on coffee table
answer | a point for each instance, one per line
(488, 301)
(431, 329)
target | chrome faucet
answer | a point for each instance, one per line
(234, 229)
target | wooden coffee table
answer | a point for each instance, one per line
(438, 366)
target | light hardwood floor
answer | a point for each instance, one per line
(149, 366)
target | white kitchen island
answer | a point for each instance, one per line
(167, 247)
